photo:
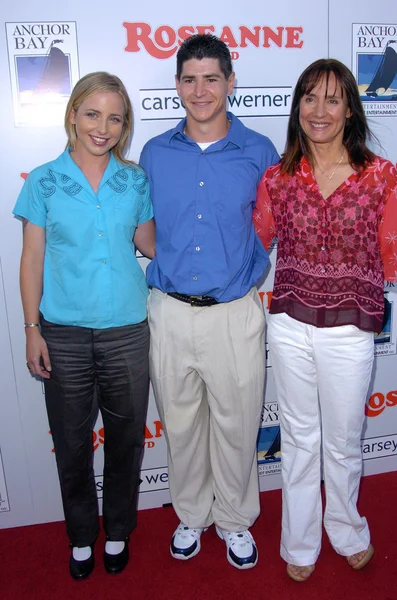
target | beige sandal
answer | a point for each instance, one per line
(365, 559)
(297, 576)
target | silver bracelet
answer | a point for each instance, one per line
(31, 325)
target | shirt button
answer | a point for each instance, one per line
(198, 248)
(104, 262)
(323, 224)
(199, 216)
(100, 234)
(195, 278)
(322, 247)
(322, 270)
(201, 183)
(98, 206)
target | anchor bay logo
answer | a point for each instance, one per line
(374, 63)
(269, 441)
(43, 65)
(386, 340)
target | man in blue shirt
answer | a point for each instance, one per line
(207, 323)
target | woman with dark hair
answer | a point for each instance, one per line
(84, 300)
(332, 205)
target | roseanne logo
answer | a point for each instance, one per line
(164, 41)
(378, 402)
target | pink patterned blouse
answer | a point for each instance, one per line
(332, 255)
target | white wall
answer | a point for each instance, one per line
(96, 39)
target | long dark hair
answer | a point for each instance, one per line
(356, 130)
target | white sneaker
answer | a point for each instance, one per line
(241, 548)
(185, 542)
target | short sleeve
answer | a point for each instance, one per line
(275, 158)
(388, 229)
(31, 204)
(146, 207)
(262, 215)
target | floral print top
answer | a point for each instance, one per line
(332, 254)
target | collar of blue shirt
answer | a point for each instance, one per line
(236, 134)
(67, 163)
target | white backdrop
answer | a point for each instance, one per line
(271, 43)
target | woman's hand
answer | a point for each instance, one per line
(37, 357)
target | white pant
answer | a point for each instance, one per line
(207, 370)
(322, 377)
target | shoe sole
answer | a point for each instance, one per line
(180, 556)
(231, 561)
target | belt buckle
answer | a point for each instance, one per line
(192, 299)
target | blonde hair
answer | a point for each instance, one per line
(94, 83)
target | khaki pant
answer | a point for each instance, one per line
(207, 370)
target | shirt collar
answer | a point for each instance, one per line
(235, 135)
(75, 173)
(306, 171)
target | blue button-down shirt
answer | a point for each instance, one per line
(203, 202)
(91, 275)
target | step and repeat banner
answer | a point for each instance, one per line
(44, 50)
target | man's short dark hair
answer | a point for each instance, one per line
(204, 45)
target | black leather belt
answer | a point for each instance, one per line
(194, 300)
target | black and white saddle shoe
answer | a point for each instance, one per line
(80, 569)
(115, 563)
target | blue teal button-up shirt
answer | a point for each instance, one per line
(91, 275)
(203, 202)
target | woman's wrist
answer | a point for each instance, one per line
(32, 330)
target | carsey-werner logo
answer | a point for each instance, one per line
(379, 447)
(158, 104)
(164, 41)
(378, 402)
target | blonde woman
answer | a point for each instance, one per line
(84, 301)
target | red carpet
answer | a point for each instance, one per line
(34, 561)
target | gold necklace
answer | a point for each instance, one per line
(333, 172)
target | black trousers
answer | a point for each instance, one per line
(114, 363)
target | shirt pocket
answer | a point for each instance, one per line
(127, 209)
(234, 206)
